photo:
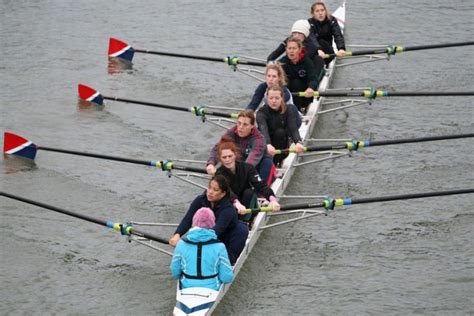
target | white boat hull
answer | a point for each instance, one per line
(193, 296)
(194, 301)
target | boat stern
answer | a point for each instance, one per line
(194, 301)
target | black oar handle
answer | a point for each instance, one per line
(84, 217)
(225, 60)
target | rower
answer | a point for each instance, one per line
(243, 179)
(200, 259)
(232, 232)
(301, 31)
(274, 74)
(301, 73)
(277, 124)
(253, 148)
(325, 29)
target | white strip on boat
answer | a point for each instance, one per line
(203, 301)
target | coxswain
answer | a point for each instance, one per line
(200, 259)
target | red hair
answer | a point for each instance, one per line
(227, 143)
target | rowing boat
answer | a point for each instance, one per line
(203, 301)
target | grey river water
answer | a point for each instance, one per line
(392, 258)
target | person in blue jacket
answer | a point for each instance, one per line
(232, 232)
(200, 259)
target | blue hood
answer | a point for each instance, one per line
(201, 234)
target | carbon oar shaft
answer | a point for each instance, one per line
(434, 46)
(330, 203)
(153, 163)
(416, 140)
(152, 104)
(383, 93)
(195, 110)
(407, 196)
(88, 218)
(356, 144)
(393, 49)
(225, 60)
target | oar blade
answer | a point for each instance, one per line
(16, 145)
(120, 49)
(89, 94)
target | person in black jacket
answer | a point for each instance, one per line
(274, 74)
(232, 232)
(300, 72)
(243, 178)
(326, 29)
(301, 31)
(277, 124)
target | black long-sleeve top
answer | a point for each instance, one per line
(327, 30)
(269, 120)
(246, 176)
(310, 48)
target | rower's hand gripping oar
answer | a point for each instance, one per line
(16, 145)
(122, 50)
(330, 203)
(91, 95)
(354, 145)
(375, 93)
(124, 229)
(393, 49)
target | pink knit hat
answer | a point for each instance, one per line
(204, 218)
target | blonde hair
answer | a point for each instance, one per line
(276, 87)
(282, 80)
(295, 40)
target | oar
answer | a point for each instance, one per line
(393, 49)
(124, 229)
(89, 94)
(16, 145)
(330, 203)
(122, 50)
(374, 93)
(356, 144)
